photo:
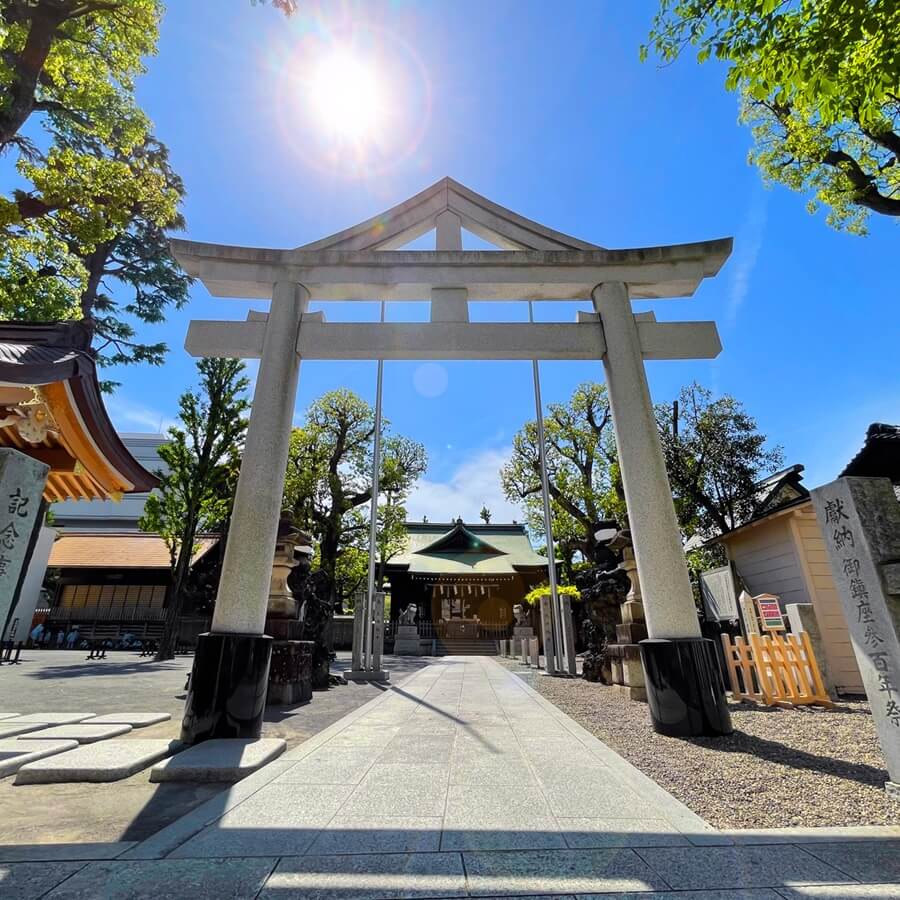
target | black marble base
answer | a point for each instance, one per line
(684, 687)
(227, 696)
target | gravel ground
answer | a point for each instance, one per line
(781, 768)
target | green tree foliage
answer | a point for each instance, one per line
(820, 87)
(196, 492)
(713, 449)
(73, 59)
(86, 238)
(714, 454)
(582, 470)
(329, 481)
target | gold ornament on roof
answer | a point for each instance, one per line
(31, 418)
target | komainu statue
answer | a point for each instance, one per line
(313, 592)
(408, 614)
(522, 615)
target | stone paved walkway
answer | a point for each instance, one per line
(461, 782)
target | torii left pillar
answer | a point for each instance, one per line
(227, 696)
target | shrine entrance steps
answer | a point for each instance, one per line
(461, 647)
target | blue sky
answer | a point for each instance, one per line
(545, 109)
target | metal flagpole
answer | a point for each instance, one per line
(373, 525)
(558, 630)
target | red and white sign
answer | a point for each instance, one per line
(769, 610)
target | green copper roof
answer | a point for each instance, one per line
(437, 548)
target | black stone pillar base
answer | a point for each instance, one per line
(684, 688)
(227, 696)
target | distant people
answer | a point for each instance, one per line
(60, 638)
(72, 637)
(37, 634)
(48, 634)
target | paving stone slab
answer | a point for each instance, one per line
(508, 835)
(559, 871)
(748, 894)
(8, 730)
(54, 718)
(105, 761)
(135, 720)
(387, 798)
(220, 879)
(16, 753)
(277, 820)
(402, 876)
(325, 768)
(219, 760)
(840, 892)
(83, 732)
(588, 833)
(29, 881)
(871, 861)
(378, 835)
(699, 868)
(62, 852)
(499, 817)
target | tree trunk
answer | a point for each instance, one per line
(28, 66)
(174, 602)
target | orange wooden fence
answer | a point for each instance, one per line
(778, 670)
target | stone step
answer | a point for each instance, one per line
(220, 760)
(104, 761)
(450, 647)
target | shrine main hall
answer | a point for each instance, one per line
(464, 579)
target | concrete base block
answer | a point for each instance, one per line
(84, 733)
(15, 754)
(892, 789)
(223, 760)
(631, 692)
(632, 673)
(105, 761)
(135, 720)
(363, 675)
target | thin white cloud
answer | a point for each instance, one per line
(475, 482)
(134, 417)
(747, 247)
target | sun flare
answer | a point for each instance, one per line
(345, 94)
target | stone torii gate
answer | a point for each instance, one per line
(227, 695)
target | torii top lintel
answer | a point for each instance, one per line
(533, 263)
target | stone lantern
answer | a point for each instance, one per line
(624, 654)
(282, 604)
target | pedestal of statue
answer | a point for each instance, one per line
(523, 631)
(290, 673)
(406, 642)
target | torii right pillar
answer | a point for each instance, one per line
(684, 690)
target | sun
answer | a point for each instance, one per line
(345, 94)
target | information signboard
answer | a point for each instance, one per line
(769, 610)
